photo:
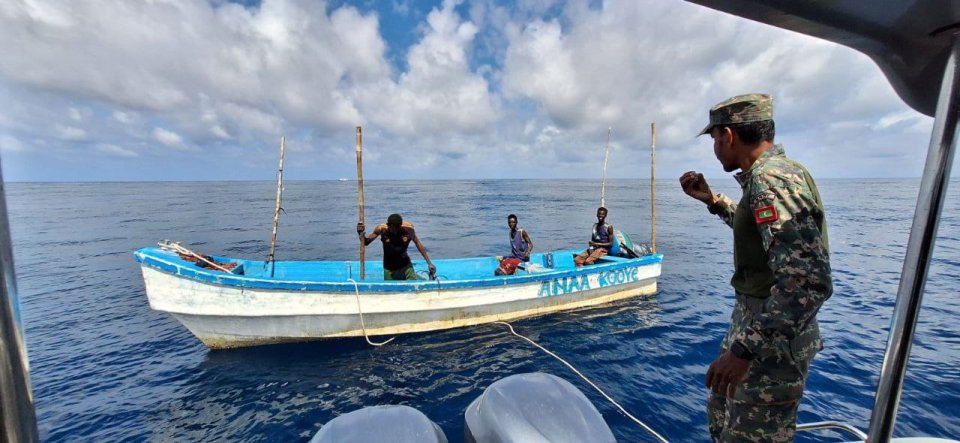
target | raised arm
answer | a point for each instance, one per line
(696, 186)
(724, 207)
(367, 239)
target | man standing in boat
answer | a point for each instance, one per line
(396, 236)
(781, 275)
(600, 241)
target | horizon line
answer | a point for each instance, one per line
(401, 179)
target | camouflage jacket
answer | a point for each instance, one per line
(781, 255)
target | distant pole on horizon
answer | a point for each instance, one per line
(653, 187)
(603, 182)
(276, 212)
(363, 242)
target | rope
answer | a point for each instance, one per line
(438, 278)
(604, 394)
(426, 275)
(169, 245)
(362, 325)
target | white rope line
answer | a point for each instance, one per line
(362, 325)
(604, 394)
(167, 244)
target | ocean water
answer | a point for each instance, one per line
(105, 367)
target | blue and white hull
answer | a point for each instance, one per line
(312, 300)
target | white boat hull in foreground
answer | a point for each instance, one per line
(226, 310)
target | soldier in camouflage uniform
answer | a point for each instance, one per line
(781, 277)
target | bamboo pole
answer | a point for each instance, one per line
(653, 187)
(363, 240)
(276, 212)
(603, 183)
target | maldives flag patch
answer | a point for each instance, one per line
(765, 214)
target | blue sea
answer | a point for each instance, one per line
(105, 367)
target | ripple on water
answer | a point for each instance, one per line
(105, 367)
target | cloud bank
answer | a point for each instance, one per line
(160, 90)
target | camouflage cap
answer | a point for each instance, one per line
(740, 109)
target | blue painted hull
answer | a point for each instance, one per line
(307, 300)
(474, 272)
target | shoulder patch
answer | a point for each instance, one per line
(765, 214)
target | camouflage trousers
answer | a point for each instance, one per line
(764, 406)
(406, 273)
(735, 421)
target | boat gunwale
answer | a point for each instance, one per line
(148, 257)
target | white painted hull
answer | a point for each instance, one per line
(223, 316)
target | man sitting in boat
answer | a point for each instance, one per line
(520, 248)
(396, 235)
(520, 244)
(600, 241)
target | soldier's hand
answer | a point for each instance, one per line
(726, 373)
(361, 228)
(696, 186)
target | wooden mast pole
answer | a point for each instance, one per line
(603, 184)
(363, 241)
(276, 211)
(653, 187)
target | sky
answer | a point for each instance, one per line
(160, 90)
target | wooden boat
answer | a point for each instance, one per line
(912, 40)
(305, 300)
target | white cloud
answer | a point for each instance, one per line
(251, 118)
(10, 144)
(219, 132)
(168, 138)
(905, 118)
(163, 56)
(116, 151)
(79, 114)
(483, 85)
(69, 133)
(631, 63)
(438, 93)
(124, 117)
(540, 67)
(400, 7)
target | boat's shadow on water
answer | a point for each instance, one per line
(281, 354)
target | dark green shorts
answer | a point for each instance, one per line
(406, 273)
